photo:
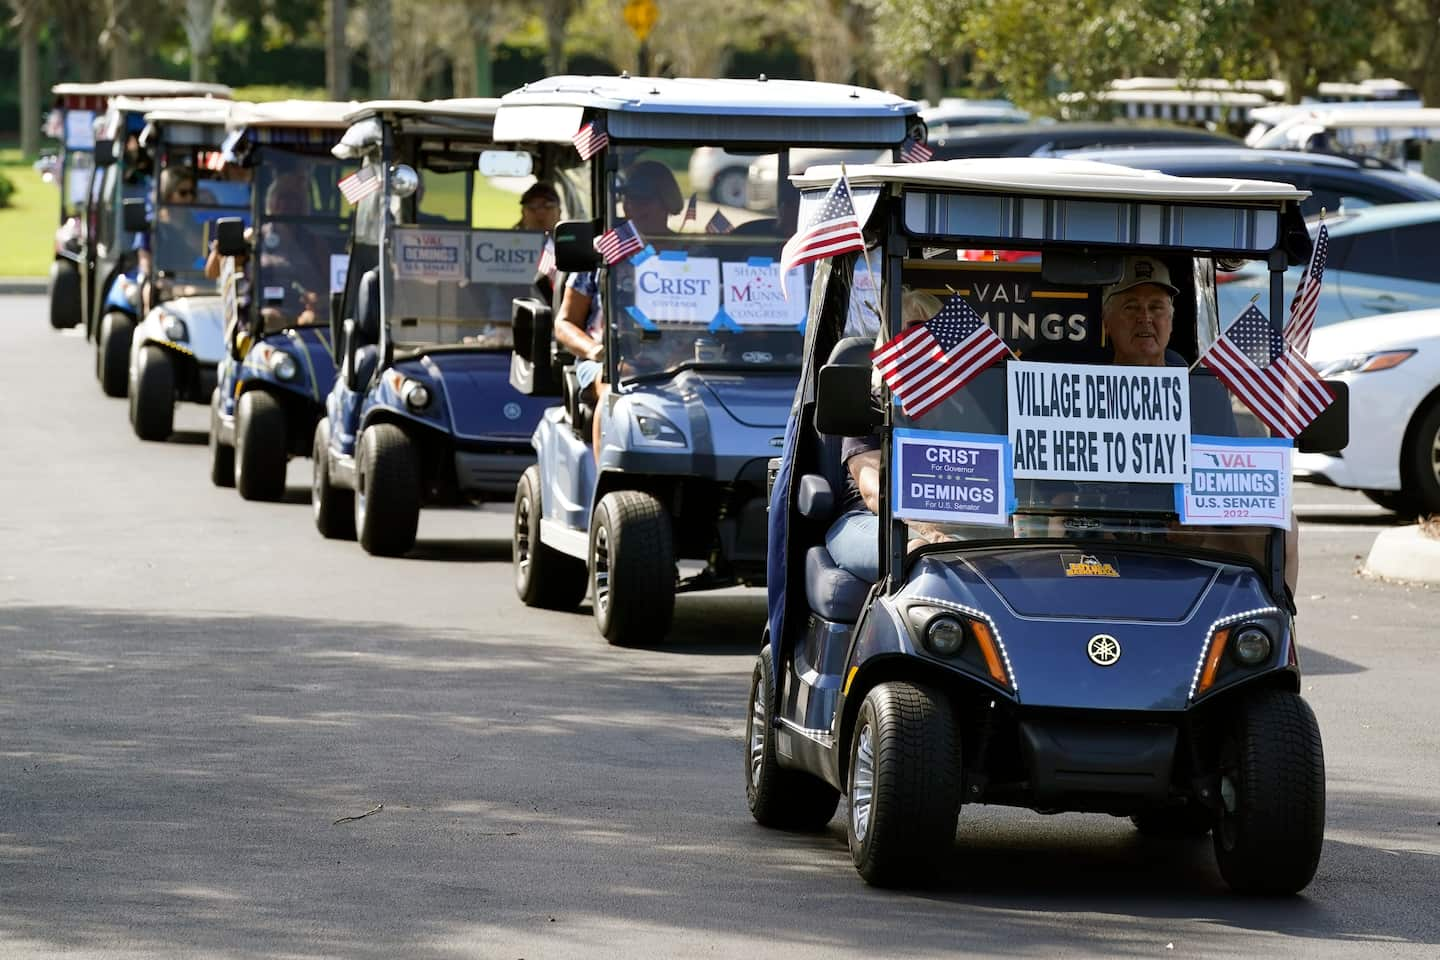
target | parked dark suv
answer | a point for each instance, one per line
(1048, 139)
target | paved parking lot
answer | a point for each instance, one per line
(193, 689)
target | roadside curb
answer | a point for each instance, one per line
(22, 285)
(1404, 553)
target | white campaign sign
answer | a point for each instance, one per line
(432, 254)
(79, 130)
(1238, 481)
(675, 288)
(504, 256)
(339, 267)
(1087, 422)
(753, 296)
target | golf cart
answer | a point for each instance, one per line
(278, 365)
(1081, 601)
(422, 412)
(701, 338)
(94, 174)
(175, 350)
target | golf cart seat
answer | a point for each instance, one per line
(833, 593)
(580, 410)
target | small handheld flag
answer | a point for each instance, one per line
(546, 264)
(1307, 298)
(915, 151)
(619, 244)
(590, 140)
(1263, 370)
(930, 361)
(718, 224)
(360, 184)
(835, 229)
(690, 212)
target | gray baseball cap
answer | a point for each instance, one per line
(1140, 270)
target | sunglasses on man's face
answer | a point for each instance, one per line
(536, 206)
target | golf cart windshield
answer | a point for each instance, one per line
(300, 237)
(191, 198)
(1057, 440)
(704, 289)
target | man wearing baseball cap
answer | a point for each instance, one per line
(1138, 313)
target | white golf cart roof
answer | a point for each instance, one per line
(143, 87)
(482, 107)
(292, 113)
(462, 118)
(693, 110)
(170, 108)
(1038, 199)
(1352, 125)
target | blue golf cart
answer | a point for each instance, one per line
(1077, 597)
(701, 337)
(278, 365)
(176, 349)
(422, 412)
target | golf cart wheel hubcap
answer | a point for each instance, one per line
(1229, 805)
(601, 565)
(757, 735)
(862, 784)
(522, 538)
(1435, 456)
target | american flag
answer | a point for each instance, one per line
(590, 140)
(834, 230)
(546, 265)
(1259, 367)
(360, 184)
(619, 243)
(690, 212)
(928, 362)
(1307, 298)
(718, 223)
(915, 150)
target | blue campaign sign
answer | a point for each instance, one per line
(951, 477)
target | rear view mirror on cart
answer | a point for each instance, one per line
(843, 407)
(575, 246)
(1329, 432)
(230, 237)
(1081, 267)
(133, 215)
(104, 153)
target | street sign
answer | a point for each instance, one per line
(640, 17)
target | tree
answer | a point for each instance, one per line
(27, 19)
(198, 18)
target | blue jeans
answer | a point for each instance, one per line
(854, 544)
(587, 372)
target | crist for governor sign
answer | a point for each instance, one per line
(1015, 301)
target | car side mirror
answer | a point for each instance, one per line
(337, 330)
(104, 153)
(575, 246)
(532, 326)
(843, 406)
(1329, 432)
(347, 348)
(230, 237)
(133, 216)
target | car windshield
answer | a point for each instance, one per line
(704, 289)
(462, 249)
(1061, 442)
(192, 196)
(301, 237)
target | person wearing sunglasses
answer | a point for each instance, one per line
(539, 207)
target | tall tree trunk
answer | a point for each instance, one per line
(557, 14)
(29, 82)
(199, 21)
(381, 49)
(337, 53)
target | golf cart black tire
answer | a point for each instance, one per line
(387, 471)
(1422, 460)
(152, 394)
(915, 800)
(1270, 845)
(222, 455)
(549, 579)
(64, 295)
(260, 446)
(642, 568)
(112, 353)
(777, 797)
(1191, 821)
(1396, 501)
(333, 507)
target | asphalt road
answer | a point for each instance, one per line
(193, 688)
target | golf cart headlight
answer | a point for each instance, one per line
(283, 365)
(655, 429)
(945, 635)
(1365, 362)
(174, 327)
(415, 394)
(1252, 646)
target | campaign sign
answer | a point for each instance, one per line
(1237, 481)
(951, 478)
(79, 130)
(1023, 308)
(1110, 423)
(673, 287)
(505, 256)
(431, 254)
(339, 267)
(753, 296)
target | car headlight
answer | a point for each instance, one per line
(283, 365)
(1365, 362)
(655, 429)
(174, 328)
(1251, 646)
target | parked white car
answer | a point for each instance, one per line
(1392, 364)
(719, 175)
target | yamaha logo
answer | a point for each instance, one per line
(512, 411)
(1103, 649)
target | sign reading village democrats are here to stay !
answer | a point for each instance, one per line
(1095, 422)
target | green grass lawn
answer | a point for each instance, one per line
(27, 226)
